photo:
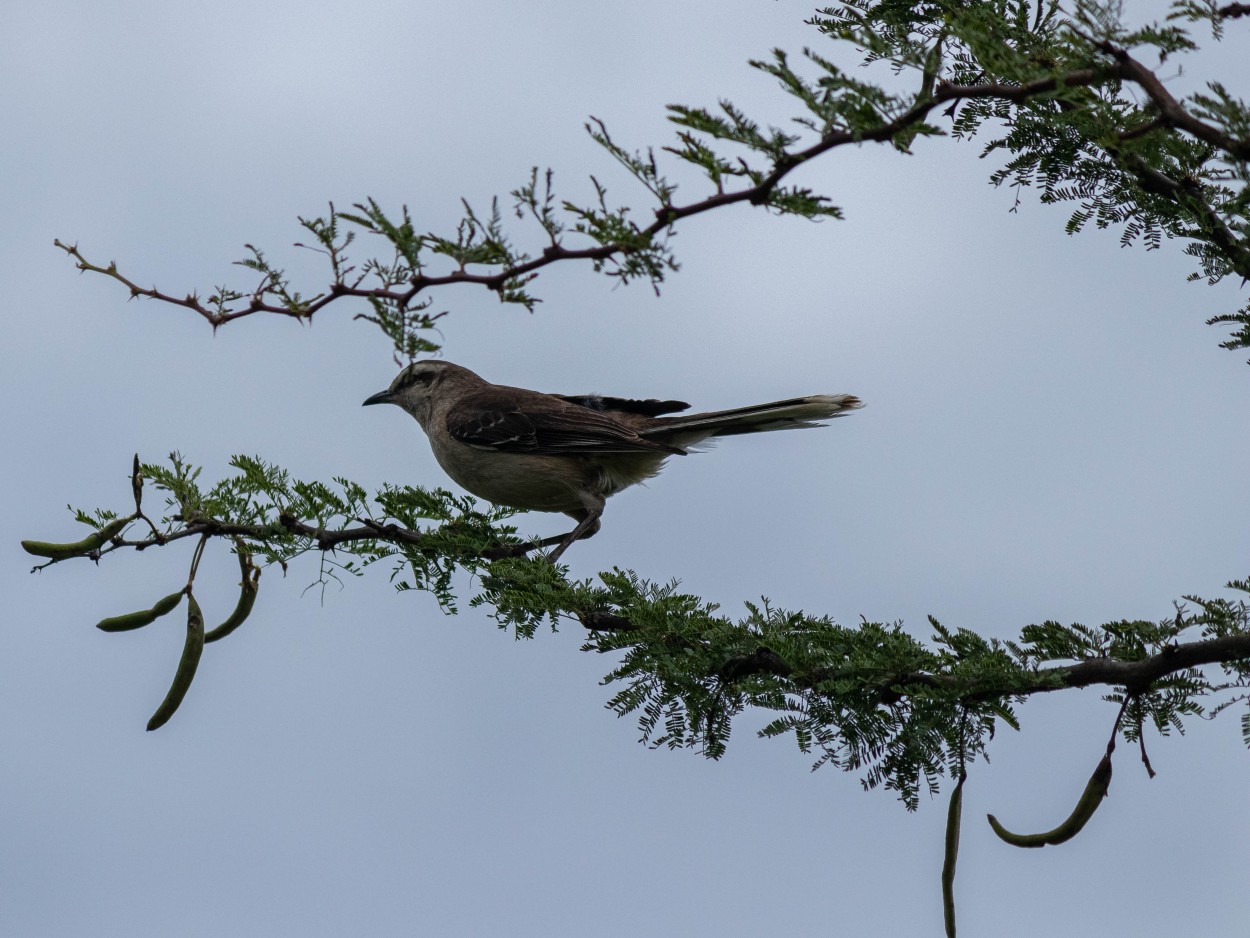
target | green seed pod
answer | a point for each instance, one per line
(136, 620)
(953, 816)
(1091, 798)
(190, 660)
(247, 598)
(93, 541)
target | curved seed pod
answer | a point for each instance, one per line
(93, 541)
(136, 620)
(953, 816)
(1091, 798)
(190, 660)
(247, 597)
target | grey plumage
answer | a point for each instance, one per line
(569, 453)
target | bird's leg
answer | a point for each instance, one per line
(588, 526)
(520, 550)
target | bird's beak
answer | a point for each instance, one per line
(382, 397)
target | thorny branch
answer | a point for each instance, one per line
(322, 538)
(1134, 676)
(286, 525)
(1121, 67)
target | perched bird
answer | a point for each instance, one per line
(568, 453)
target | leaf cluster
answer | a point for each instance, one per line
(283, 518)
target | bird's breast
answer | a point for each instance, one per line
(542, 483)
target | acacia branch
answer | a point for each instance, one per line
(665, 215)
(1171, 110)
(288, 525)
(1185, 192)
(889, 686)
(1135, 677)
(1123, 67)
(323, 539)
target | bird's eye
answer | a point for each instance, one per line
(418, 378)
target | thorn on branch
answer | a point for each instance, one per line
(666, 215)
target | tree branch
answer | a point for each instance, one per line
(665, 216)
(271, 296)
(325, 540)
(1134, 676)
(1171, 110)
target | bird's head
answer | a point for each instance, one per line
(421, 384)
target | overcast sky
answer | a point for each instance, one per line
(1051, 433)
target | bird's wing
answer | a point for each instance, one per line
(543, 425)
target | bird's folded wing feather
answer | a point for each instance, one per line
(544, 426)
(624, 405)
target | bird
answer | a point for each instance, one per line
(569, 453)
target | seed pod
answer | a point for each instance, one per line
(93, 541)
(190, 660)
(953, 816)
(1091, 798)
(247, 597)
(136, 620)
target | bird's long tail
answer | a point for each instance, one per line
(795, 413)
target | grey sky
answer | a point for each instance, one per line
(1051, 433)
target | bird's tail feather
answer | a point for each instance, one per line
(790, 414)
